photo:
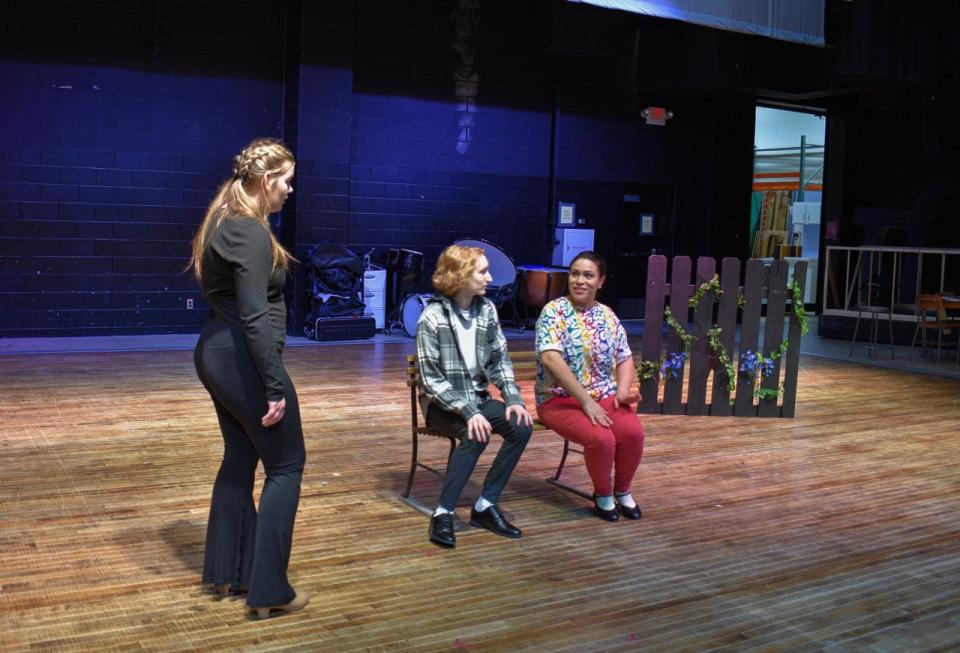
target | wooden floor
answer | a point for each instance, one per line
(837, 531)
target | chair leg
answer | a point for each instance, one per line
(413, 468)
(913, 342)
(856, 327)
(893, 352)
(555, 479)
(563, 460)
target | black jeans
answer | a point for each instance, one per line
(244, 548)
(515, 437)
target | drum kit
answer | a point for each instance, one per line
(533, 285)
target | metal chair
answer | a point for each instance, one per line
(932, 316)
(874, 308)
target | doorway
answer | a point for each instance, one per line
(646, 227)
(789, 153)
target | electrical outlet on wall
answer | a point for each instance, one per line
(190, 303)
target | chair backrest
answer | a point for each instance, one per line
(930, 305)
(524, 365)
(872, 293)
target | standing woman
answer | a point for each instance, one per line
(583, 385)
(241, 269)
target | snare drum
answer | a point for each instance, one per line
(410, 311)
(539, 285)
(502, 271)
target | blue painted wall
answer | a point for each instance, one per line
(118, 124)
(120, 119)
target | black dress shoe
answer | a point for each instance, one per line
(492, 519)
(605, 515)
(441, 530)
(630, 513)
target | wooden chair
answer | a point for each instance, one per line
(932, 316)
(524, 369)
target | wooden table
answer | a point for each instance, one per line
(950, 302)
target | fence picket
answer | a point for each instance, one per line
(680, 290)
(773, 334)
(749, 334)
(727, 321)
(699, 352)
(657, 290)
(794, 335)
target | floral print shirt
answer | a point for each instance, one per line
(592, 342)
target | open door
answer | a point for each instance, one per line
(789, 154)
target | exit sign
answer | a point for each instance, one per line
(656, 115)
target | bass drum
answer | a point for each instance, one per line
(410, 311)
(502, 270)
(538, 285)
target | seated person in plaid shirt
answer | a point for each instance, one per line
(461, 349)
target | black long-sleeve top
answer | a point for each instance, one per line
(245, 292)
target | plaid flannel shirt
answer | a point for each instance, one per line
(444, 377)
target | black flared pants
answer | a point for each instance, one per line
(245, 548)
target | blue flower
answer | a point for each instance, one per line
(755, 365)
(767, 366)
(672, 365)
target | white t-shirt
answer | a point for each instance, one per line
(465, 326)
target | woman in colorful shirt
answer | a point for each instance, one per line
(583, 385)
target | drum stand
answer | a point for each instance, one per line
(523, 315)
(392, 321)
(403, 276)
(522, 321)
(507, 295)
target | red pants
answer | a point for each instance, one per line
(619, 445)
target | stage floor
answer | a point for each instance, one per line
(838, 530)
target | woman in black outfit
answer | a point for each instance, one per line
(241, 269)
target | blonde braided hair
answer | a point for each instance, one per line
(255, 160)
(241, 197)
